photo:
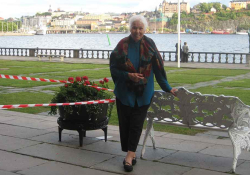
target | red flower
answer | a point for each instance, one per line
(101, 82)
(87, 82)
(106, 80)
(71, 79)
(85, 78)
(66, 85)
(78, 79)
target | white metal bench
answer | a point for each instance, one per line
(50, 56)
(195, 110)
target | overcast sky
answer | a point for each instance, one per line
(18, 8)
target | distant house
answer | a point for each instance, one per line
(213, 10)
(239, 4)
(1, 19)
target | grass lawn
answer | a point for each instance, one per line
(61, 71)
(244, 83)
(242, 94)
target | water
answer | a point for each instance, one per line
(164, 42)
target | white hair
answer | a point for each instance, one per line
(138, 18)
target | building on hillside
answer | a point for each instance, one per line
(239, 4)
(1, 19)
(58, 13)
(213, 10)
(50, 10)
(63, 23)
(101, 17)
(90, 24)
(169, 8)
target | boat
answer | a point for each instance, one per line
(41, 30)
(241, 33)
(219, 32)
(154, 32)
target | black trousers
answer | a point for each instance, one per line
(131, 121)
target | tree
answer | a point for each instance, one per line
(248, 6)
(224, 6)
(204, 7)
(217, 6)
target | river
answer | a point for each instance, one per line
(164, 42)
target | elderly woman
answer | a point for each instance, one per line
(133, 64)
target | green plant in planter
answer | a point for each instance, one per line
(77, 91)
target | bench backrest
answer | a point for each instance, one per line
(198, 110)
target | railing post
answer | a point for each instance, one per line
(248, 60)
(76, 54)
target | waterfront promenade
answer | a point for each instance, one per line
(29, 145)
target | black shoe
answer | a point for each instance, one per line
(134, 161)
(127, 166)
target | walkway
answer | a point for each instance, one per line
(29, 146)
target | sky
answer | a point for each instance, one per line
(18, 8)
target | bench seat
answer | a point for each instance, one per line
(202, 111)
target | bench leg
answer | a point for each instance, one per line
(148, 130)
(240, 141)
(62, 58)
(39, 58)
(50, 58)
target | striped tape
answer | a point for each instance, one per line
(57, 104)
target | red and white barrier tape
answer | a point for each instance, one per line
(110, 90)
(32, 79)
(14, 77)
(57, 104)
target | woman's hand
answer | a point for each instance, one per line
(135, 77)
(173, 91)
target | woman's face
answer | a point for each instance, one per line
(137, 30)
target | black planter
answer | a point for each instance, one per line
(81, 121)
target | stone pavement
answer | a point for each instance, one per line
(29, 146)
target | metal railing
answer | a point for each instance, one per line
(199, 57)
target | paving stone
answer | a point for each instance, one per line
(65, 154)
(218, 133)
(225, 151)
(15, 162)
(199, 139)
(154, 154)
(108, 147)
(243, 168)
(178, 144)
(142, 167)
(12, 143)
(198, 160)
(56, 168)
(32, 123)
(196, 171)
(66, 139)
(6, 173)
(5, 118)
(20, 132)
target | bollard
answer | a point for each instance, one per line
(32, 52)
(76, 53)
(248, 60)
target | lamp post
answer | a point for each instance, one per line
(249, 39)
(179, 36)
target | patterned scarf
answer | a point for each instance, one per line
(149, 55)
